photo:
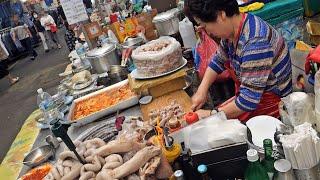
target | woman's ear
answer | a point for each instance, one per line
(222, 17)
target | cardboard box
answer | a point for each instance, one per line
(151, 34)
(313, 28)
(125, 29)
(159, 86)
(145, 20)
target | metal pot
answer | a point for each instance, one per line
(167, 23)
(102, 58)
(118, 73)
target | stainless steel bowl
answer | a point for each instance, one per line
(38, 156)
(132, 43)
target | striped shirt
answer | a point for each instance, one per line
(261, 62)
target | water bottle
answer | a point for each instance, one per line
(44, 100)
(80, 49)
(203, 170)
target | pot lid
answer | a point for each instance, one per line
(165, 15)
(100, 51)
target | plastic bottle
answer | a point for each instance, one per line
(178, 175)
(187, 33)
(44, 100)
(268, 161)
(203, 170)
(255, 170)
(80, 49)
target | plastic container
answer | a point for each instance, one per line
(284, 170)
(187, 33)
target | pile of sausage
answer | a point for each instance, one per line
(173, 111)
(118, 159)
(158, 46)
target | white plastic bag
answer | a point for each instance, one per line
(213, 132)
(228, 132)
(300, 108)
(187, 33)
(141, 53)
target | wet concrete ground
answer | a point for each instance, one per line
(17, 102)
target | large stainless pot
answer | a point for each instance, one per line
(167, 23)
(102, 58)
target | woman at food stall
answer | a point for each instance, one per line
(252, 51)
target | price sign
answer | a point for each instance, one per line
(74, 10)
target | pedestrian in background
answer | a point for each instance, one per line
(70, 36)
(5, 73)
(20, 32)
(50, 26)
(41, 31)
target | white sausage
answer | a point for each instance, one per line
(55, 173)
(95, 167)
(114, 158)
(59, 167)
(112, 165)
(67, 163)
(138, 160)
(96, 141)
(67, 154)
(87, 175)
(89, 152)
(75, 172)
(118, 147)
(102, 161)
(66, 170)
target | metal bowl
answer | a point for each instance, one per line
(38, 156)
(132, 42)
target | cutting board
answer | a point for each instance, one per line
(180, 96)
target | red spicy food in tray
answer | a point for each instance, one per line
(37, 173)
(101, 101)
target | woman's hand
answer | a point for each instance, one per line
(201, 95)
(203, 113)
(199, 99)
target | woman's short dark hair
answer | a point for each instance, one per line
(207, 10)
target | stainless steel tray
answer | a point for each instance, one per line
(95, 116)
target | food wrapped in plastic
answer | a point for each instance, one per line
(158, 56)
(214, 131)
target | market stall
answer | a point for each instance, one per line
(123, 110)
